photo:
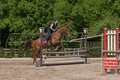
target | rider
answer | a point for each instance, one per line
(52, 28)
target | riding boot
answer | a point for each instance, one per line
(47, 37)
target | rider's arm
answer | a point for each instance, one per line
(51, 27)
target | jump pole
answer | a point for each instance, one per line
(41, 29)
(111, 47)
(85, 30)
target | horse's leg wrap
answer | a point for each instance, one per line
(58, 47)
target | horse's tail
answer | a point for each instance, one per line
(28, 44)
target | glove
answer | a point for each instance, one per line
(54, 30)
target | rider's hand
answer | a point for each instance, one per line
(54, 30)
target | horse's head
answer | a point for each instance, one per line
(65, 30)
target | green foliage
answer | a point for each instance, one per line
(25, 16)
(108, 22)
(29, 53)
(94, 52)
(10, 53)
(1, 52)
(20, 52)
(96, 14)
(63, 10)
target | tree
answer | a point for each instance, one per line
(25, 16)
(96, 14)
(63, 9)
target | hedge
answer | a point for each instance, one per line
(92, 52)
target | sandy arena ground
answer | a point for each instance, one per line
(22, 69)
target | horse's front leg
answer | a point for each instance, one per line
(58, 47)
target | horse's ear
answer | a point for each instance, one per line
(67, 27)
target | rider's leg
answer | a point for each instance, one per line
(48, 36)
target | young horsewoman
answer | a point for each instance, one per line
(52, 28)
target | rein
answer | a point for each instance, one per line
(62, 33)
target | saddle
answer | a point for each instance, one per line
(44, 37)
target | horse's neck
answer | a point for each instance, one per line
(57, 35)
(60, 31)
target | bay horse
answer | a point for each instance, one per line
(56, 40)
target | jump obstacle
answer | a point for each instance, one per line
(66, 53)
(110, 50)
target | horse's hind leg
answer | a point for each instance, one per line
(46, 54)
(35, 59)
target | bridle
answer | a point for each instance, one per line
(62, 33)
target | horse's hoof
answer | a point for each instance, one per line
(45, 58)
(34, 63)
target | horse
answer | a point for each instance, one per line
(56, 40)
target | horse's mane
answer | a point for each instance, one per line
(63, 27)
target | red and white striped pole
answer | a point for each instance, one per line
(105, 46)
(117, 47)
